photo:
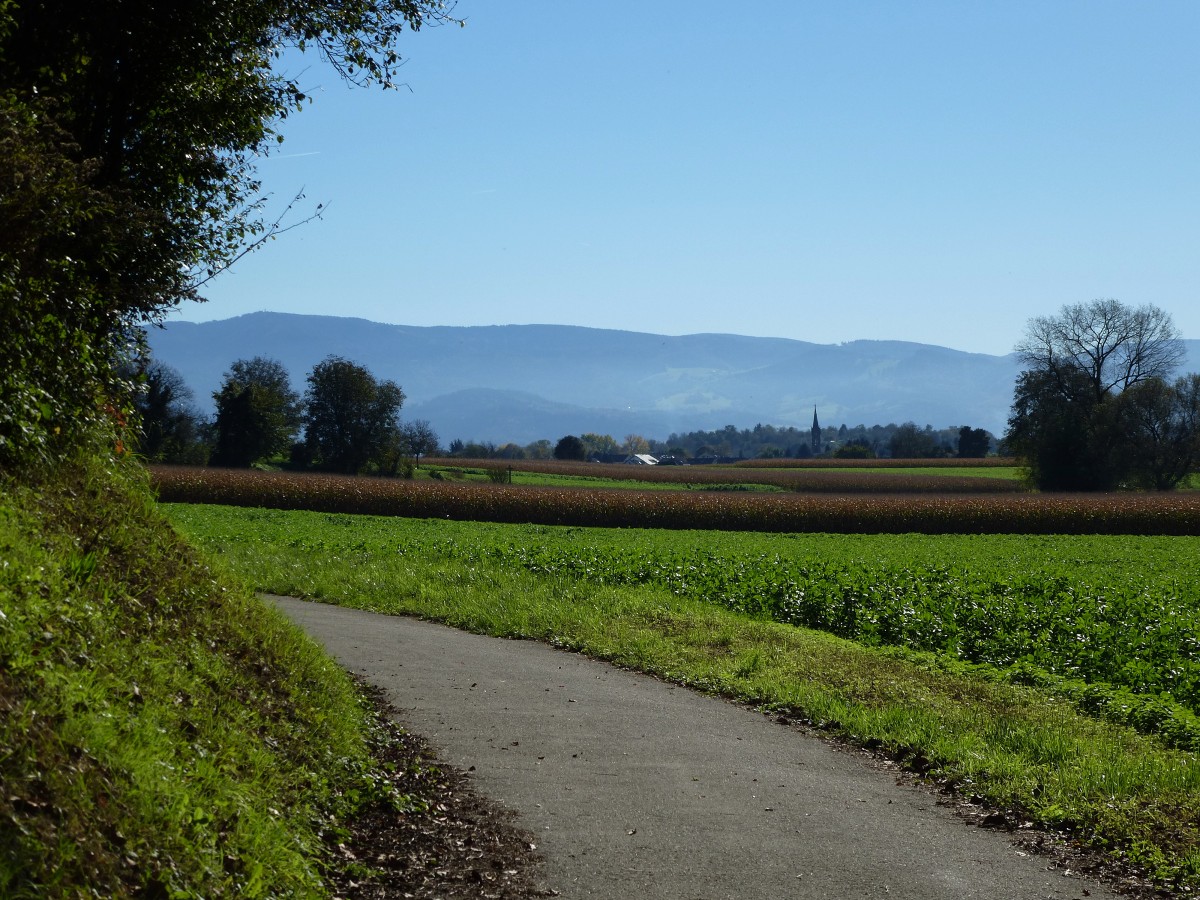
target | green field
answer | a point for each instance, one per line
(1113, 612)
(556, 479)
(741, 479)
(1012, 473)
(1054, 677)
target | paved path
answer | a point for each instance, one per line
(639, 789)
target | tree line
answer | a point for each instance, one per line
(346, 421)
(906, 440)
(1097, 408)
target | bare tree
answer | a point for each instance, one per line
(1112, 345)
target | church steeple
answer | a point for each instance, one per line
(816, 434)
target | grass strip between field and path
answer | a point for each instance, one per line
(1026, 751)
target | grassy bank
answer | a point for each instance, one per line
(162, 732)
(1031, 752)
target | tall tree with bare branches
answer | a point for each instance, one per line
(1113, 346)
(1094, 407)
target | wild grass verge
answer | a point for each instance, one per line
(1027, 752)
(163, 733)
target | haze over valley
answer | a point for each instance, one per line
(526, 382)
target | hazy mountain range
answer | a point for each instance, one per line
(525, 382)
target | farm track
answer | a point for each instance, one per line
(634, 787)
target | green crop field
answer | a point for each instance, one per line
(1113, 616)
(821, 475)
(710, 477)
(480, 475)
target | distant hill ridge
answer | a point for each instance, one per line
(525, 382)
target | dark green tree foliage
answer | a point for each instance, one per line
(258, 413)
(1094, 410)
(352, 419)
(854, 451)
(1161, 424)
(474, 449)
(511, 451)
(62, 350)
(570, 447)
(910, 442)
(128, 136)
(539, 449)
(973, 443)
(168, 428)
(600, 443)
(1061, 433)
(749, 443)
(403, 450)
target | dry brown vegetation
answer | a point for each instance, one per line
(928, 513)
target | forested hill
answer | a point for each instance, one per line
(526, 382)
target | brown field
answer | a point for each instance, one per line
(1126, 513)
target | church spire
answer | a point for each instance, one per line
(816, 434)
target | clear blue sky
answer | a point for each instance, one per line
(926, 171)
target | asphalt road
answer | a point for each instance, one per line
(639, 789)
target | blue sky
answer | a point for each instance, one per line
(925, 171)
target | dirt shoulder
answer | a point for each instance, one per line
(454, 843)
